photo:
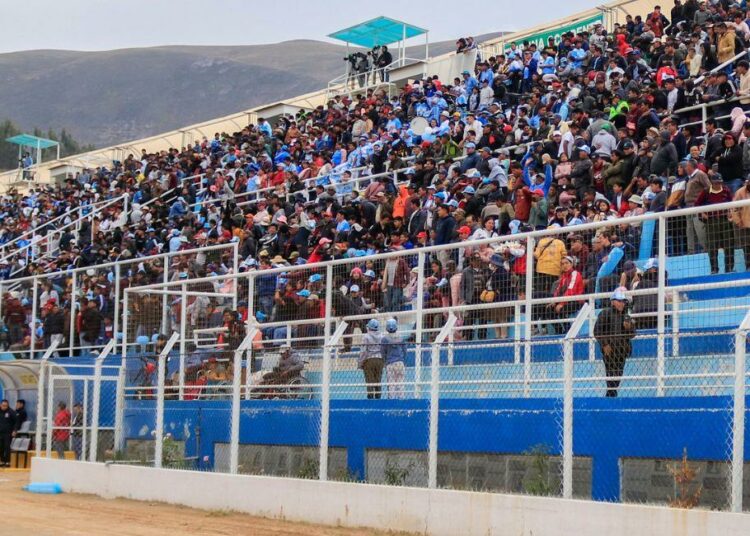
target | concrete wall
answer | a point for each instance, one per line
(422, 511)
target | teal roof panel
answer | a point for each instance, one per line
(31, 141)
(378, 31)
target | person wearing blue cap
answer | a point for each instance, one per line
(371, 358)
(394, 354)
(472, 157)
(614, 330)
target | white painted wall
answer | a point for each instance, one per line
(423, 511)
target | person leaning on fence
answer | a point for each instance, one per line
(394, 352)
(570, 283)
(371, 358)
(719, 229)
(614, 330)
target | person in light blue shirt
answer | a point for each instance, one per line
(469, 82)
(486, 74)
(394, 123)
(547, 63)
(577, 55)
(178, 209)
(265, 127)
(393, 349)
(175, 242)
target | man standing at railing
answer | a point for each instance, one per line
(614, 330)
(697, 183)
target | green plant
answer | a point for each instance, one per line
(172, 454)
(346, 475)
(396, 475)
(309, 469)
(537, 483)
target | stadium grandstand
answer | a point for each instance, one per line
(420, 276)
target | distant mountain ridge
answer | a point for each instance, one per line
(105, 98)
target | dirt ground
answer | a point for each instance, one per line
(73, 514)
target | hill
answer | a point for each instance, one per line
(104, 98)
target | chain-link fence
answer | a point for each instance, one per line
(78, 415)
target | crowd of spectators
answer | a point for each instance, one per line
(584, 129)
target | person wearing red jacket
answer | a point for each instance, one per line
(569, 284)
(61, 433)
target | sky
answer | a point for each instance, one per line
(112, 24)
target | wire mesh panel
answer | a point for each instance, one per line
(657, 424)
(280, 415)
(375, 395)
(500, 420)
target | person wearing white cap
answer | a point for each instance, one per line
(614, 330)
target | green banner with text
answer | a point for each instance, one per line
(540, 39)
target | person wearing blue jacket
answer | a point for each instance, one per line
(394, 352)
(539, 181)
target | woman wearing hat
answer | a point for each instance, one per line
(570, 283)
(729, 159)
(614, 329)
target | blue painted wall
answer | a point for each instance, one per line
(605, 430)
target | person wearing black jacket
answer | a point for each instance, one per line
(54, 326)
(7, 429)
(729, 159)
(21, 415)
(614, 330)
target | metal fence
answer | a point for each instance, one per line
(569, 427)
(62, 295)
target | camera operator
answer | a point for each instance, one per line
(382, 58)
(614, 330)
(360, 65)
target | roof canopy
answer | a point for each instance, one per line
(28, 140)
(379, 31)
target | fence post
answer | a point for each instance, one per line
(516, 333)
(660, 358)
(161, 372)
(250, 300)
(325, 400)
(73, 307)
(325, 392)
(40, 408)
(236, 269)
(125, 316)
(529, 311)
(567, 446)
(120, 408)
(675, 323)
(420, 323)
(116, 321)
(432, 455)
(97, 396)
(592, 320)
(738, 416)
(234, 442)
(50, 409)
(34, 315)
(165, 298)
(183, 342)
